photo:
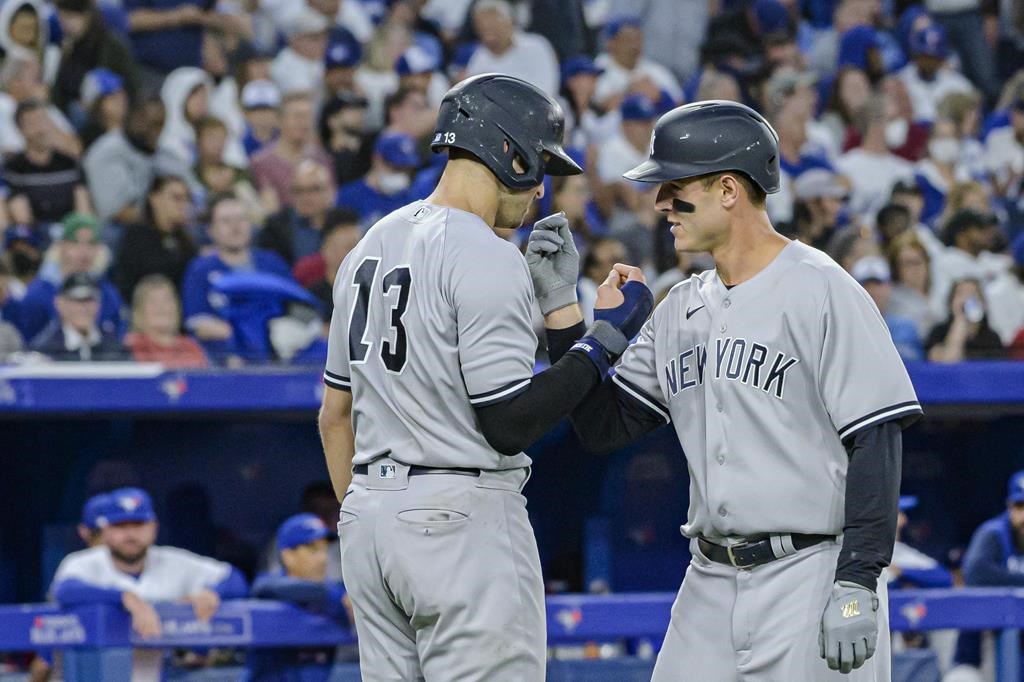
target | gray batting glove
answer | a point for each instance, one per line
(554, 263)
(849, 627)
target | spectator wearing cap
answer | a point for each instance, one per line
(385, 187)
(156, 327)
(121, 165)
(420, 69)
(1005, 296)
(911, 567)
(970, 236)
(627, 71)
(506, 49)
(76, 335)
(632, 142)
(965, 334)
(162, 242)
(10, 338)
(861, 47)
(231, 233)
(168, 34)
(299, 67)
(910, 264)
(585, 122)
(274, 166)
(89, 44)
(344, 136)
(186, 94)
(872, 273)
(130, 571)
(341, 63)
(820, 198)
(871, 168)
(823, 54)
(994, 558)
(44, 184)
(302, 544)
(88, 527)
(104, 103)
(78, 252)
(261, 106)
(296, 230)
(928, 78)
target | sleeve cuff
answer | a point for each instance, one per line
(643, 397)
(907, 413)
(509, 390)
(337, 381)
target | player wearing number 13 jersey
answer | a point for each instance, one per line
(432, 335)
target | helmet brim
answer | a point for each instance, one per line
(560, 163)
(655, 171)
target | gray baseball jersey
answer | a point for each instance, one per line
(432, 317)
(763, 381)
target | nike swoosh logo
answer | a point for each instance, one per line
(689, 313)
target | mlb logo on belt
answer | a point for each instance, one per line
(387, 470)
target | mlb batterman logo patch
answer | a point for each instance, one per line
(387, 470)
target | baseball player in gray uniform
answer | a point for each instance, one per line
(788, 397)
(431, 397)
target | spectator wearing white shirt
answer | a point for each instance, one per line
(626, 70)
(128, 570)
(969, 236)
(505, 49)
(871, 168)
(585, 123)
(630, 144)
(1006, 296)
(300, 66)
(928, 78)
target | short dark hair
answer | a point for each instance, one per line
(338, 218)
(26, 107)
(216, 201)
(891, 213)
(757, 196)
(397, 99)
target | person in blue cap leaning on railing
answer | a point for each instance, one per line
(302, 580)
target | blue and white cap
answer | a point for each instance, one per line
(127, 505)
(416, 60)
(94, 508)
(300, 529)
(97, 84)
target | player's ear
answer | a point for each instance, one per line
(730, 190)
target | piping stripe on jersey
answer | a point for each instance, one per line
(497, 395)
(639, 394)
(882, 415)
(337, 381)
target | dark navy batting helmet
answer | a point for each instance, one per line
(497, 118)
(713, 136)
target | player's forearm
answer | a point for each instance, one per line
(872, 501)
(338, 439)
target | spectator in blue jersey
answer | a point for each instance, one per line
(78, 252)
(231, 233)
(911, 567)
(994, 558)
(872, 273)
(385, 187)
(302, 547)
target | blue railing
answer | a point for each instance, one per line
(139, 388)
(96, 638)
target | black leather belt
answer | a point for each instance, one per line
(416, 470)
(755, 553)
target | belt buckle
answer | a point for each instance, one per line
(732, 557)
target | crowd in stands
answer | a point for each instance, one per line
(181, 178)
